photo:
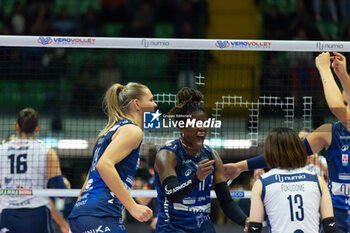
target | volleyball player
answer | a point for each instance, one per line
(26, 163)
(292, 197)
(186, 170)
(334, 138)
(115, 158)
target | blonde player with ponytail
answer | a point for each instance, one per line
(115, 156)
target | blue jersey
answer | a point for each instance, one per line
(97, 199)
(338, 166)
(192, 213)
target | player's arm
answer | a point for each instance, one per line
(165, 166)
(339, 67)
(57, 217)
(256, 215)
(326, 209)
(319, 139)
(230, 208)
(331, 91)
(53, 170)
(233, 170)
(127, 138)
(314, 143)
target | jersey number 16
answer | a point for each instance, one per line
(19, 162)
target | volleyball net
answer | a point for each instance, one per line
(250, 87)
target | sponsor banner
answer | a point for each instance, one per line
(65, 40)
(175, 44)
(16, 192)
(237, 194)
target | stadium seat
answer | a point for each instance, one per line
(33, 93)
(7, 6)
(86, 3)
(143, 64)
(9, 94)
(164, 30)
(112, 29)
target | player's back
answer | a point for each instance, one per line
(23, 166)
(292, 200)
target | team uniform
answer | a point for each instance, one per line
(192, 213)
(98, 209)
(23, 167)
(292, 200)
(339, 174)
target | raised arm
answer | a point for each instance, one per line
(339, 67)
(331, 91)
(127, 138)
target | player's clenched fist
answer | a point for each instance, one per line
(141, 213)
(323, 61)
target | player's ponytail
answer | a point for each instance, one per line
(117, 100)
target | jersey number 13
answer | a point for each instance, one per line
(296, 207)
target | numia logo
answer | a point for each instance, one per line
(154, 43)
(329, 46)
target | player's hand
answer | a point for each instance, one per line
(64, 229)
(153, 224)
(339, 65)
(204, 169)
(232, 170)
(258, 172)
(141, 213)
(323, 61)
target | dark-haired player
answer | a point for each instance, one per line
(186, 170)
(27, 163)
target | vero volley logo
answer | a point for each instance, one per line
(151, 120)
(222, 44)
(45, 40)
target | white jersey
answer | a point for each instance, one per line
(22, 168)
(292, 200)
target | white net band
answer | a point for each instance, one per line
(176, 44)
(75, 193)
